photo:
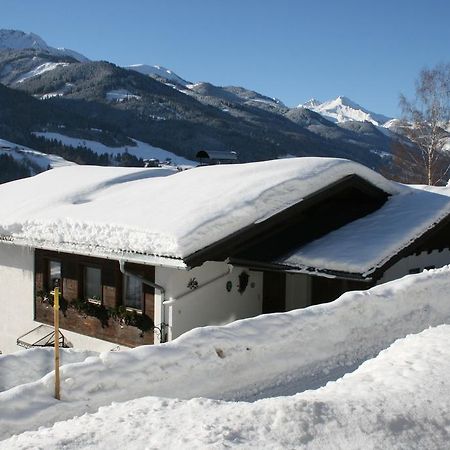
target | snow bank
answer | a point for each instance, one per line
(400, 399)
(30, 365)
(166, 216)
(243, 359)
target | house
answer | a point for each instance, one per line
(209, 157)
(144, 255)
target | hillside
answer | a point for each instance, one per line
(154, 105)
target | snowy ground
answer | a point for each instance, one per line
(276, 354)
(140, 150)
(399, 400)
(30, 365)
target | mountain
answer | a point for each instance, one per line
(342, 109)
(151, 111)
(26, 55)
(159, 72)
(99, 101)
(19, 40)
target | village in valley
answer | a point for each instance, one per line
(198, 265)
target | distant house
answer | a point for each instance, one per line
(152, 162)
(144, 255)
(208, 157)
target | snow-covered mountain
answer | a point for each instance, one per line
(342, 109)
(19, 40)
(158, 72)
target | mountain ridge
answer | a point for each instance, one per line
(342, 109)
(157, 106)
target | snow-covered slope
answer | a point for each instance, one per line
(342, 109)
(158, 72)
(19, 40)
(266, 356)
(42, 68)
(140, 150)
(39, 159)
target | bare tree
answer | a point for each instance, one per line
(425, 121)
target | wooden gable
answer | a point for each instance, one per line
(312, 217)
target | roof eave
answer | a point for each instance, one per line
(99, 252)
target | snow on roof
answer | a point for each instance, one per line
(365, 244)
(146, 211)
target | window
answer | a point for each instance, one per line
(54, 274)
(93, 284)
(133, 292)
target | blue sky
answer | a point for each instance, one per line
(293, 50)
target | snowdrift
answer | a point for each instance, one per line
(242, 359)
(30, 365)
(399, 400)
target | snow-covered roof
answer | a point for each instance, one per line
(366, 244)
(156, 212)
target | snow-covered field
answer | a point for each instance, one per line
(398, 400)
(140, 150)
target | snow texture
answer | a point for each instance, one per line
(398, 400)
(30, 365)
(403, 394)
(145, 211)
(140, 150)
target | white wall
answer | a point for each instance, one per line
(16, 294)
(298, 291)
(16, 302)
(401, 268)
(210, 303)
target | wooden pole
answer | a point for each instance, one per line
(56, 339)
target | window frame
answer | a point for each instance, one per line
(48, 278)
(93, 300)
(125, 292)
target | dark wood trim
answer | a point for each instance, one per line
(255, 233)
(100, 325)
